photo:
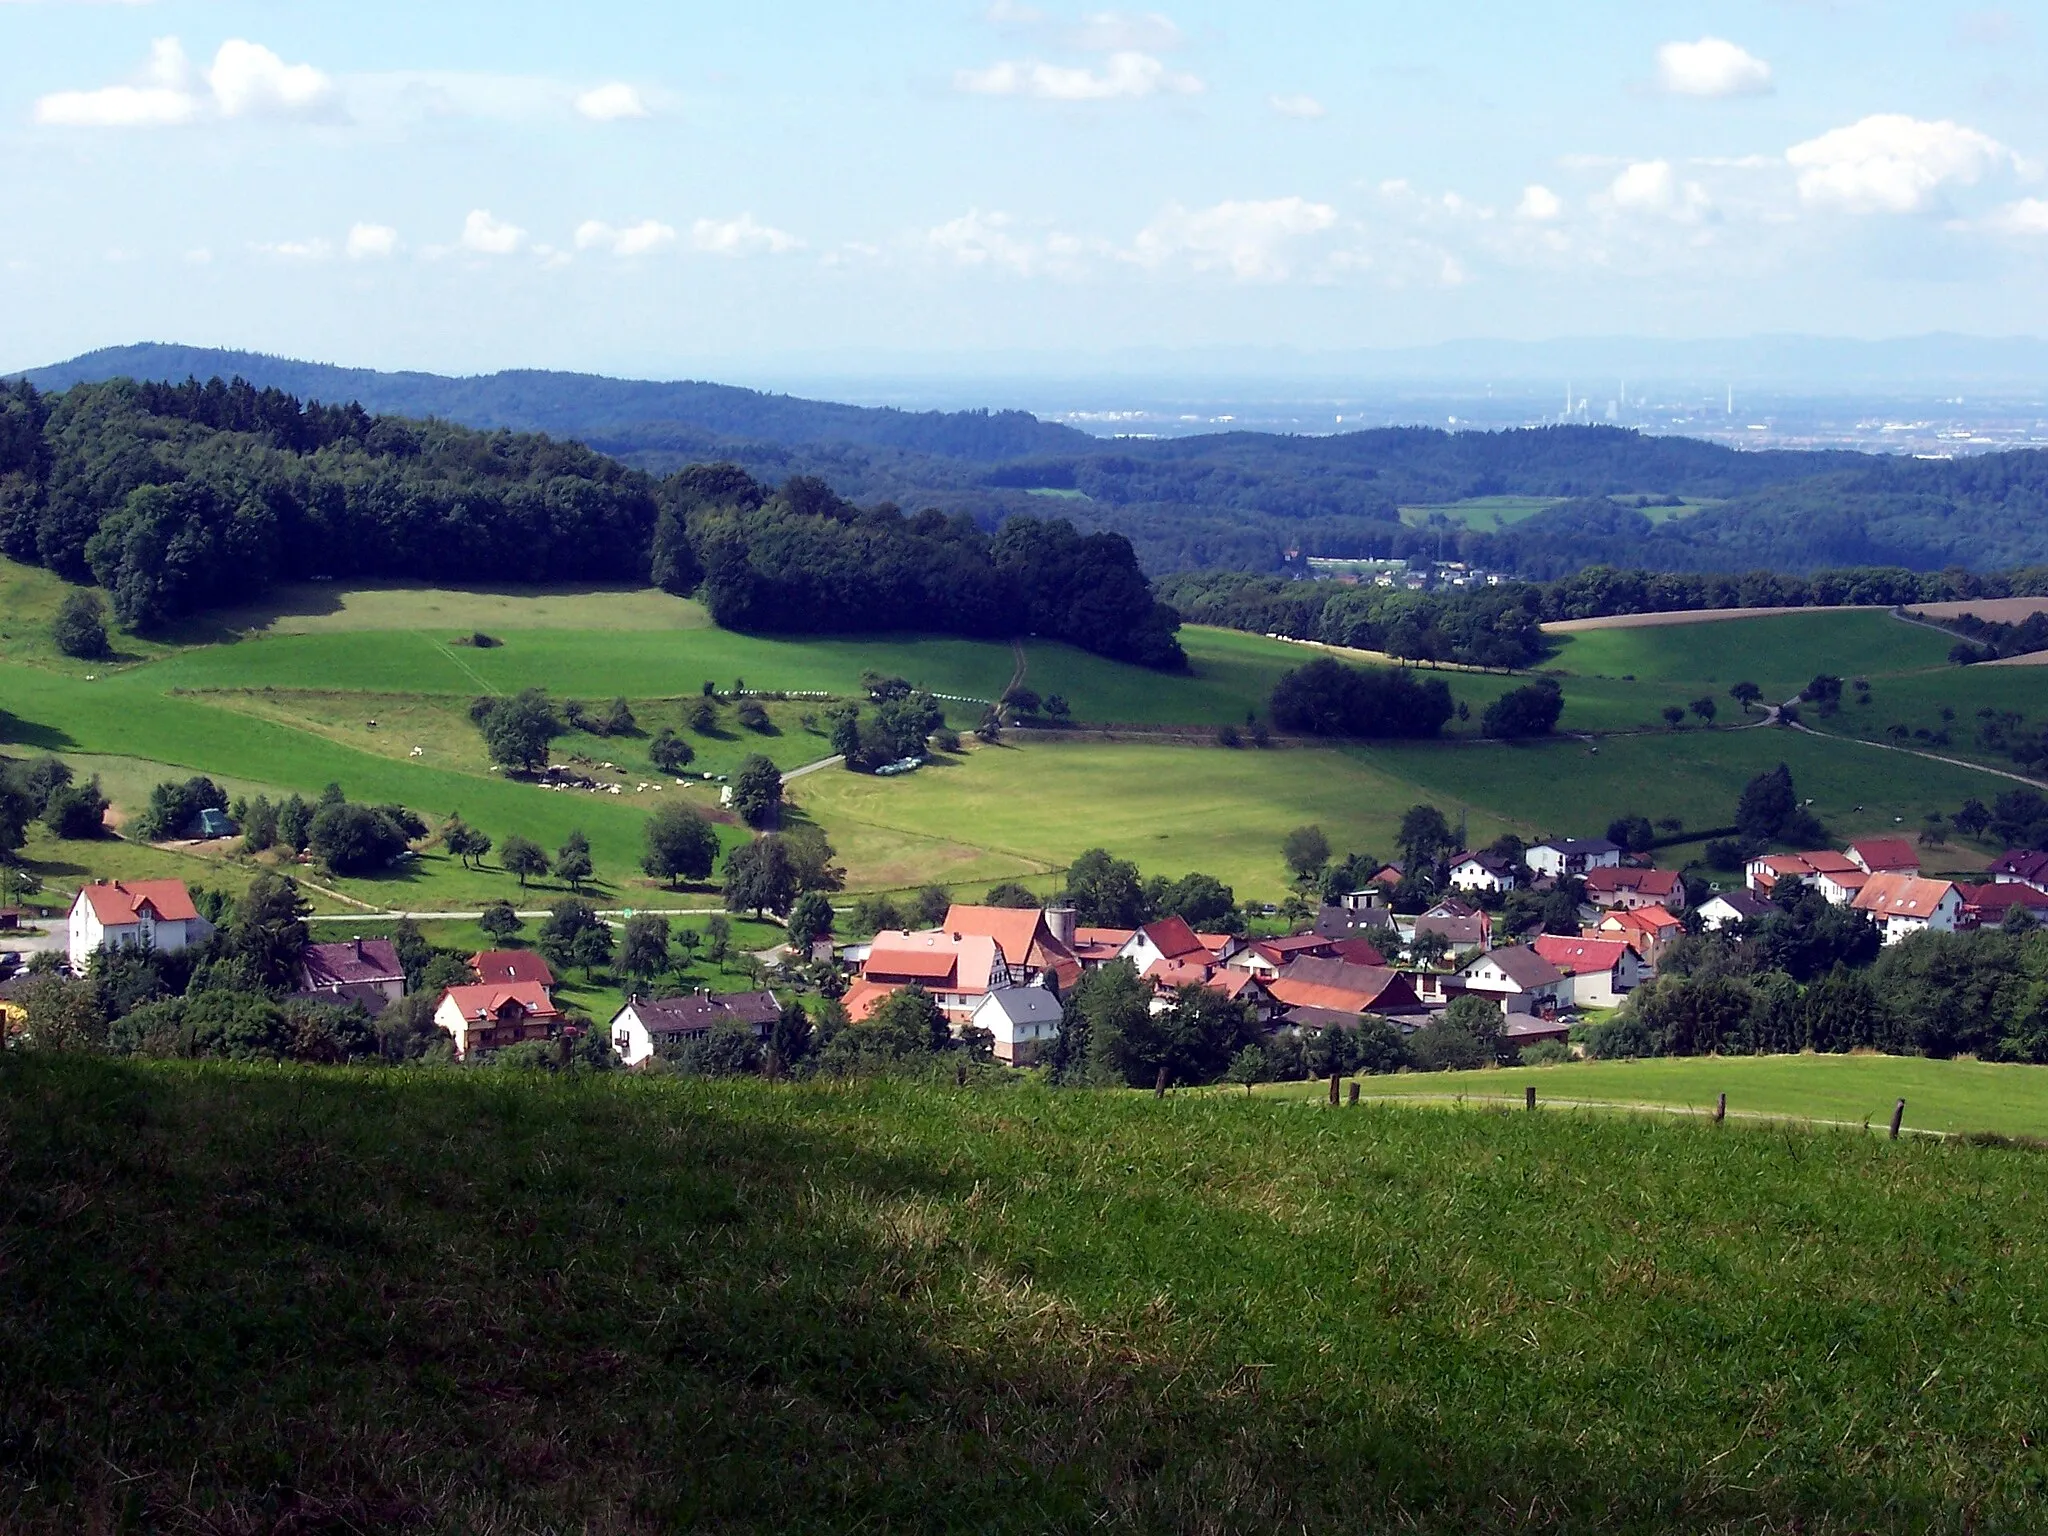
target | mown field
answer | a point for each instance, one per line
(1953, 1097)
(459, 1301)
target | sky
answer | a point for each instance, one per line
(673, 187)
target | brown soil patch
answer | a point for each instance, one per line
(1688, 616)
(1992, 610)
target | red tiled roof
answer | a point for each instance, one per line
(863, 997)
(1650, 920)
(357, 960)
(1902, 896)
(1101, 944)
(116, 902)
(1172, 937)
(1356, 952)
(503, 965)
(1887, 855)
(1580, 957)
(1347, 988)
(1015, 929)
(1649, 882)
(488, 999)
(964, 964)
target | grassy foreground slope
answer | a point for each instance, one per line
(252, 1299)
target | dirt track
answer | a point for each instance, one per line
(1689, 616)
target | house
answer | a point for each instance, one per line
(1524, 1029)
(1035, 944)
(133, 914)
(1483, 872)
(1388, 876)
(1648, 930)
(1903, 905)
(642, 1028)
(958, 970)
(493, 1015)
(1168, 939)
(1840, 886)
(2021, 868)
(1987, 906)
(1463, 926)
(1843, 874)
(1884, 856)
(1732, 907)
(1097, 947)
(1240, 986)
(1338, 986)
(362, 971)
(1570, 857)
(1269, 957)
(1357, 952)
(1372, 921)
(1519, 979)
(1602, 972)
(1623, 889)
(503, 966)
(1024, 1021)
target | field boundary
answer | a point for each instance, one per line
(1632, 1107)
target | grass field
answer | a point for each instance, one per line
(457, 1301)
(1947, 1096)
(1490, 514)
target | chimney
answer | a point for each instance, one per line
(1060, 921)
(359, 946)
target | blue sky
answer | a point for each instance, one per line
(674, 188)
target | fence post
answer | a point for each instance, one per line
(1898, 1119)
(1529, 1097)
(1159, 1089)
(1336, 1078)
(1721, 1109)
(1354, 1093)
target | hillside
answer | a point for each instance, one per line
(451, 1300)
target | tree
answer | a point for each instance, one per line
(518, 731)
(670, 753)
(464, 841)
(1705, 707)
(757, 791)
(1674, 715)
(572, 860)
(523, 857)
(1746, 694)
(704, 715)
(1972, 819)
(566, 919)
(1632, 832)
(1430, 948)
(645, 953)
(500, 921)
(810, 919)
(76, 812)
(931, 904)
(1767, 804)
(758, 878)
(1522, 713)
(269, 929)
(790, 1041)
(1009, 893)
(1561, 912)
(1058, 708)
(681, 844)
(357, 839)
(1248, 1066)
(80, 628)
(991, 728)
(731, 1049)
(1424, 837)
(1106, 892)
(592, 948)
(1379, 1047)
(1327, 698)
(1307, 851)
(294, 824)
(1202, 901)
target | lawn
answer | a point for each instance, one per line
(1780, 653)
(454, 1300)
(1950, 1096)
(1482, 514)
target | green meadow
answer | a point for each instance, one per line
(452, 1301)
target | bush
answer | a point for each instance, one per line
(1327, 698)
(1547, 1053)
(670, 753)
(1523, 713)
(80, 628)
(358, 839)
(76, 811)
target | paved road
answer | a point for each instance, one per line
(614, 914)
(810, 768)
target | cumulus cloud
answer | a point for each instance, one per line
(487, 236)
(1712, 67)
(1297, 106)
(297, 250)
(612, 103)
(1252, 240)
(246, 80)
(642, 239)
(986, 240)
(1121, 31)
(1892, 163)
(371, 242)
(1653, 187)
(742, 236)
(2029, 216)
(1539, 204)
(1123, 76)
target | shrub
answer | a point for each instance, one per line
(80, 628)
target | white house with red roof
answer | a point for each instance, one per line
(1624, 889)
(1602, 972)
(958, 970)
(1168, 939)
(493, 1015)
(1903, 905)
(1518, 979)
(503, 966)
(1036, 944)
(1885, 856)
(133, 914)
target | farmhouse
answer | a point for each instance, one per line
(1884, 856)
(958, 970)
(1732, 907)
(1483, 872)
(1988, 906)
(362, 971)
(1624, 890)
(491, 1016)
(1465, 928)
(133, 914)
(1346, 920)
(1648, 930)
(509, 965)
(1337, 986)
(1903, 905)
(1519, 979)
(1034, 944)
(1602, 972)
(1168, 939)
(1763, 874)
(1240, 986)
(642, 1028)
(1269, 957)
(2022, 868)
(1024, 1022)
(1564, 859)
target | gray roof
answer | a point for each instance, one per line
(1027, 1005)
(1591, 845)
(1744, 904)
(701, 1013)
(1522, 965)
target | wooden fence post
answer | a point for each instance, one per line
(1354, 1093)
(1336, 1079)
(1898, 1119)
(1159, 1089)
(1529, 1097)
(1721, 1109)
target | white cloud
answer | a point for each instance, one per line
(1124, 76)
(642, 239)
(371, 242)
(1651, 186)
(2029, 216)
(245, 80)
(1539, 204)
(742, 236)
(1297, 106)
(1250, 239)
(1892, 163)
(1125, 31)
(487, 236)
(249, 80)
(978, 239)
(1712, 67)
(612, 103)
(297, 250)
